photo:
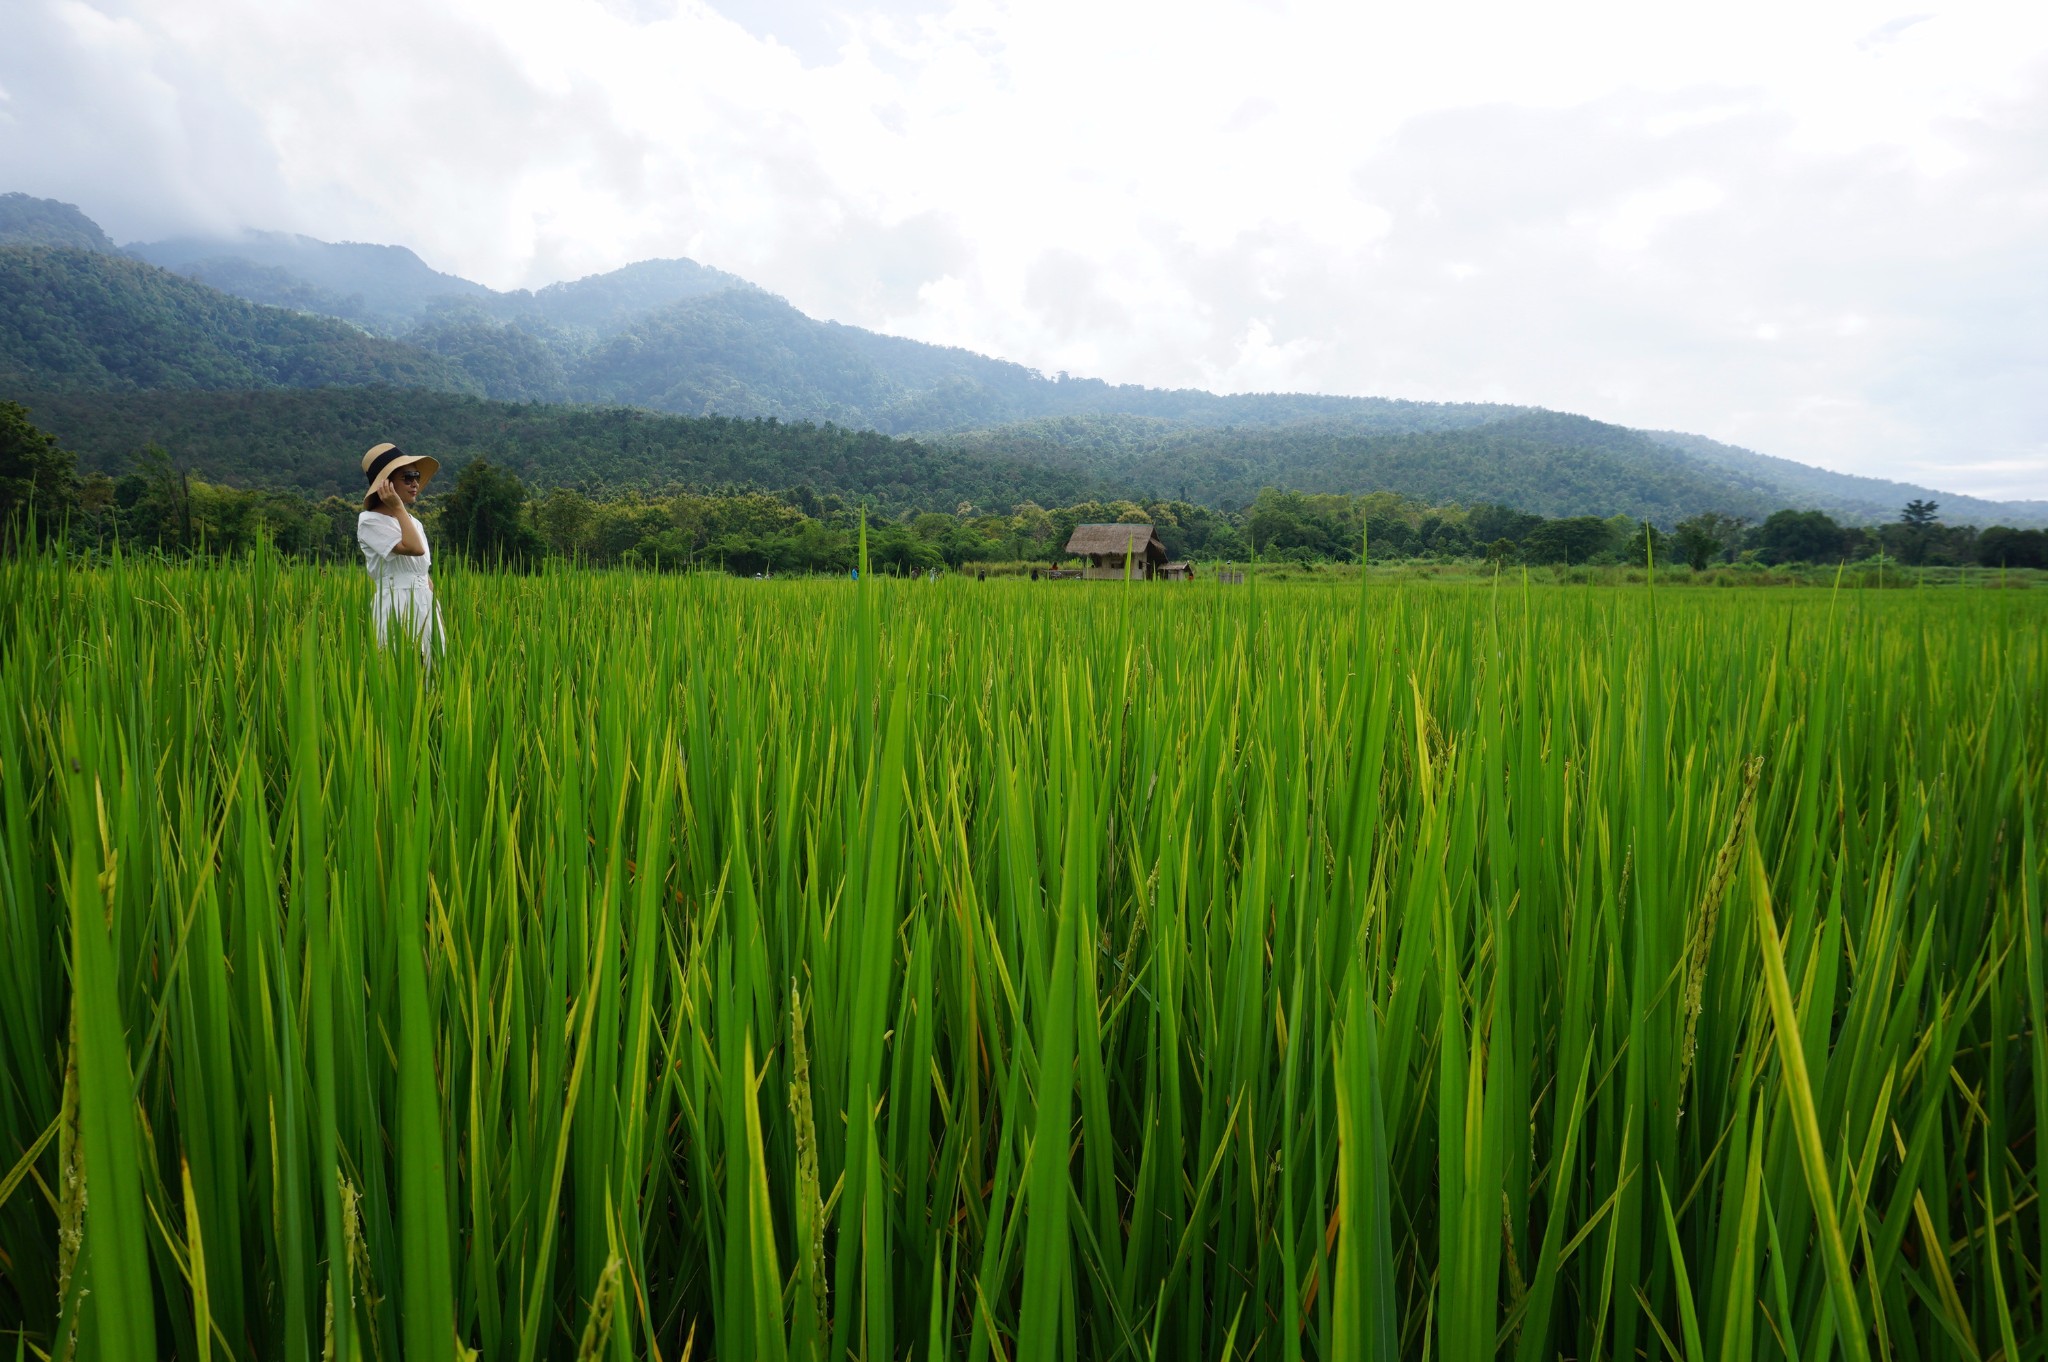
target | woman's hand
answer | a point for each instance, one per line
(411, 542)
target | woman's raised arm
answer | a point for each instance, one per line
(411, 543)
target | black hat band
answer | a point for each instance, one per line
(382, 462)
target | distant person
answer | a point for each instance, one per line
(394, 546)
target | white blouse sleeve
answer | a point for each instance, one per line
(376, 535)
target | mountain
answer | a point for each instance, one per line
(390, 289)
(747, 352)
(1547, 462)
(1845, 495)
(509, 363)
(311, 441)
(26, 221)
(603, 303)
(72, 319)
(679, 337)
(274, 286)
(386, 286)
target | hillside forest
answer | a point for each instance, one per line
(254, 360)
(490, 516)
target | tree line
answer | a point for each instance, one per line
(488, 514)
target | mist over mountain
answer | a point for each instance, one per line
(384, 285)
(677, 336)
(390, 289)
(273, 311)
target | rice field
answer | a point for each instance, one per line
(691, 967)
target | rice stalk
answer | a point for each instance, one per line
(1274, 970)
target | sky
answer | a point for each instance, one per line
(1818, 230)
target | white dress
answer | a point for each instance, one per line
(403, 591)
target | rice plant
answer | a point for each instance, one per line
(690, 967)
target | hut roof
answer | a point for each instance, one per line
(1141, 541)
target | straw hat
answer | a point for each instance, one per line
(385, 459)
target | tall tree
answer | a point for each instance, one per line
(1571, 540)
(1702, 538)
(2003, 546)
(1647, 544)
(36, 477)
(484, 518)
(1801, 537)
(1920, 529)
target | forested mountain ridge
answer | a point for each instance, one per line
(1843, 494)
(679, 337)
(602, 303)
(390, 289)
(747, 352)
(311, 441)
(73, 319)
(370, 284)
(26, 221)
(674, 335)
(1550, 463)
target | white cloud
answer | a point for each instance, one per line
(1635, 220)
(1821, 230)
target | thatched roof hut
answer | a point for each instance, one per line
(1108, 547)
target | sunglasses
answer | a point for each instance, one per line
(406, 475)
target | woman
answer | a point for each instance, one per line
(395, 546)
